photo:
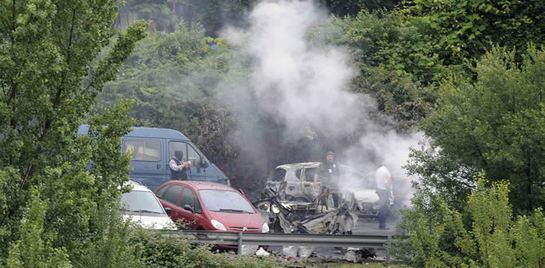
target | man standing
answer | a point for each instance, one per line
(383, 179)
(329, 174)
(178, 168)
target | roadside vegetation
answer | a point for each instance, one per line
(469, 74)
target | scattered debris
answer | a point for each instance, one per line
(262, 253)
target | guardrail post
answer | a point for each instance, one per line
(387, 259)
(239, 243)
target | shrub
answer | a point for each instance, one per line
(158, 251)
(485, 234)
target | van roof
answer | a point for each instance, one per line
(146, 132)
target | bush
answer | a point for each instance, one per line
(485, 234)
(492, 123)
(158, 251)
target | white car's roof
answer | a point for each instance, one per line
(138, 187)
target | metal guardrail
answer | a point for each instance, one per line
(279, 239)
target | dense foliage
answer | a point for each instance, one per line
(463, 30)
(484, 234)
(495, 123)
(158, 251)
(53, 62)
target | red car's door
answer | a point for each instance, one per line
(200, 219)
(191, 210)
(170, 198)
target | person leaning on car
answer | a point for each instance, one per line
(178, 168)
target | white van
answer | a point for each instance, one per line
(142, 207)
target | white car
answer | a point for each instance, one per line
(142, 207)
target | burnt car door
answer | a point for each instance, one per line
(309, 187)
(277, 178)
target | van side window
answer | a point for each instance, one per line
(174, 146)
(193, 156)
(143, 149)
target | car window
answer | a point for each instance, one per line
(143, 149)
(198, 208)
(298, 173)
(225, 201)
(278, 174)
(140, 202)
(187, 198)
(310, 173)
(162, 191)
(193, 156)
(172, 193)
(174, 146)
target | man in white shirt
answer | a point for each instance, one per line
(178, 168)
(383, 180)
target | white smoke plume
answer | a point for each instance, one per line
(299, 84)
(304, 86)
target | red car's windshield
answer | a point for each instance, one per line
(225, 201)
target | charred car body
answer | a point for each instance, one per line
(294, 182)
(295, 201)
(296, 188)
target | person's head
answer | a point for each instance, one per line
(179, 155)
(330, 157)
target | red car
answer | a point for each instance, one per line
(210, 206)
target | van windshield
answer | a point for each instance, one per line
(140, 202)
(225, 201)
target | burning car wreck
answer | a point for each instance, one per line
(297, 192)
(296, 200)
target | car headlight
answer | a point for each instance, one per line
(218, 225)
(265, 228)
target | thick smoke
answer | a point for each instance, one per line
(303, 87)
(293, 82)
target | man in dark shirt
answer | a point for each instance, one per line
(178, 168)
(329, 174)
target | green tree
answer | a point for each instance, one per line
(463, 30)
(397, 63)
(353, 7)
(160, 14)
(172, 77)
(53, 63)
(484, 234)
(493, 123)
(214, 14)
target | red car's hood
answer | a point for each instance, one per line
(236, 221)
